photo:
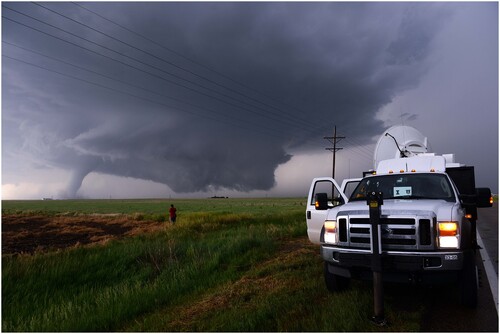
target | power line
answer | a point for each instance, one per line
(303, 122)
(156, 57)
(360, 148)
(193, 61)
(281, 119)
(133, 95)
(278, 117)
(123, 82)
(131, 66)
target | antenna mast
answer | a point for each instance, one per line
(402, 153)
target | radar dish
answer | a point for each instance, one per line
(410, 142)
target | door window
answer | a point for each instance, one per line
(327, 187)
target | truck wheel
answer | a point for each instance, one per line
(469, 281)
(335, 283)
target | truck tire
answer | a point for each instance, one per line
(469, 281)
(335, 283)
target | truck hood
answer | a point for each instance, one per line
(440, 208)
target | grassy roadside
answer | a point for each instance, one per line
(283, 294)
(250, 268)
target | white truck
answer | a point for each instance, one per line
(426, 230)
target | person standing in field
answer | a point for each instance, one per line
(173, 213)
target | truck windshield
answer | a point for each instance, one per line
(407, 186)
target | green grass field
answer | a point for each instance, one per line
(156, 206)
(228, 265)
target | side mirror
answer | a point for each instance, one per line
(468, 200)
(484, 198)
(321, 201)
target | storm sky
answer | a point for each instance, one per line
(162, 99)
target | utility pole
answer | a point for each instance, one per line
(334, 140)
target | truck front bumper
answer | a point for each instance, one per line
(355, 262)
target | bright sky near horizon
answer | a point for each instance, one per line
(195, 99)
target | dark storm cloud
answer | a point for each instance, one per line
(148, 113)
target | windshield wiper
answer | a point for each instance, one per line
(357, 199)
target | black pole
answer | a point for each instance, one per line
(375, 201)
(334, 151)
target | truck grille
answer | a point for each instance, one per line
(398, 233)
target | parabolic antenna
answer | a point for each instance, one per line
(399, 141)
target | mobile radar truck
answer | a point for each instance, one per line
(426, 231)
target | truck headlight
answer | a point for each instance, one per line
(448, 234)
(331, 232)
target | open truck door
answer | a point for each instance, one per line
(349, 185)
(324, 194)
